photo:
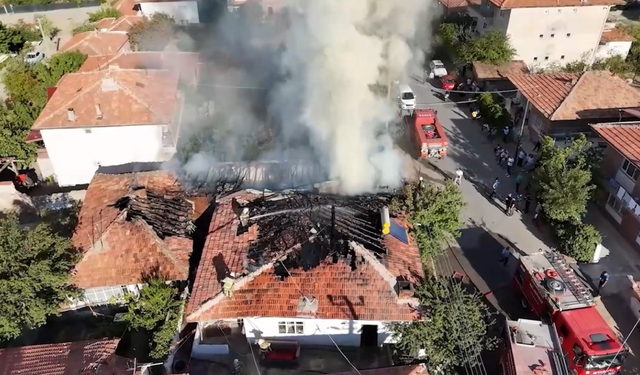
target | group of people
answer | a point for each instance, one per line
(523, 161)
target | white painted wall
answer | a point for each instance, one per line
(343, 332)
(613, 48)
(576, 32)
(76, 154)
(183, 12)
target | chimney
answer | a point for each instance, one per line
(71, 114)
(98, 112)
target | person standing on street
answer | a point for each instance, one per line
(505, 255)
(506, 134)
(495, 185)
(519, 179)
(521, 156)
(459, 174)
(527, 202)
(509, 165)
(537, 146)
(604, 279)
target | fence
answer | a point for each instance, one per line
(32, 8)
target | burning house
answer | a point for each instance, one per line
(312, 269)
(131, 225)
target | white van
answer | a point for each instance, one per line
(406, 97)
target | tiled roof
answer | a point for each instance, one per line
(119, 249)
(514, 4)
(123, 97)
(121, 24)
(97, 43)
(490, 71)
(616, 35)
(397, 370)
(364, 293)
(571, 96)
(95, 357)
(624, 137)
(185, 63)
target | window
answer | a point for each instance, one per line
(562, 57)
(553, 35)
(541, 35)
(559, 10)
(546, 58)
(575, 10)
(484, 26)
(535, 59)
(615, 203)
(630, 169)
(568, 35)
(87, 131)
(546, 12)
(291, 328)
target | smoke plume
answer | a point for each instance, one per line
(326, 75)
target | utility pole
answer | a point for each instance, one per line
(524, 117)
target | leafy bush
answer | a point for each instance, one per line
(104, 13)
(578, 240)
(153, 34)
(83, 28)
(493, 112)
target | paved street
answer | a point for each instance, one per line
(487, 228)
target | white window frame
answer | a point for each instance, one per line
(630, 170)
(103, 295)
(615, 203)
(291, 327)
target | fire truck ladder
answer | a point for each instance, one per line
(569, 278)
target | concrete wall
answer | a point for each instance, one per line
(60, 18)
(343, 332)
(576, 33)
(183, 12)
(613, 48)
(76, 154)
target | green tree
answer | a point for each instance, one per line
(59, 65)
(11, 40)
(454, 330)
(21, 83)
(155, 310)
(434, 213)
(615, 64)
(104, 13)
(35, 267)
(578, 240)
(493, 111)
(492, 47)
(153, 34)
(12, 135)
(564, 180)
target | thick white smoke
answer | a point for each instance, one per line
(333, 55)
(335, 51)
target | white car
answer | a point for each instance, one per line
(437, 69)
(33, 57)
(406, 97)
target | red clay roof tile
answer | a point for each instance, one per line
(118, 251)
(514, 4)
(124, 97)
(96, 357)
(342, 293)
(624, 137)
(571, 96)
(98, 43)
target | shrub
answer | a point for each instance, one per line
(83, 28)
(578, 241)
(493, 112)
(104, 13)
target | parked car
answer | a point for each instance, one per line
(448, 82)
(437, 69)
(406, 97)
(33, 57)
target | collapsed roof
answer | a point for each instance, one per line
(302, 254)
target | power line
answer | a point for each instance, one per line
(254, 358)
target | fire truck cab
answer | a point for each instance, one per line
(427, 134)
(550, 288)
(530, 346)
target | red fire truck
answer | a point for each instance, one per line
(551, 289)
(426, 133)
(530, 347)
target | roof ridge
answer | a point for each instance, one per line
(66, 104)
(571, 91)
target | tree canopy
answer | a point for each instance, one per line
(491, 47)
(564, 179)
(454, 330)
(26, 86)
(34, 276)
(155, 310)
(578, 241)
(434, 213)
(152, 34)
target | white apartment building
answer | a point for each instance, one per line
(547, 31)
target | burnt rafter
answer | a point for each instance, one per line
(327, 222)
(167, 215)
